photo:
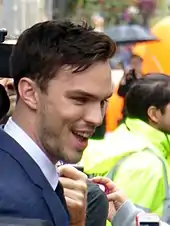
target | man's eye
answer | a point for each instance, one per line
(80, 100)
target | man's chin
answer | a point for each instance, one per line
(73, 158)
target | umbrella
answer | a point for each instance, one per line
(130, 34)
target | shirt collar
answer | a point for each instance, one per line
(47, 167)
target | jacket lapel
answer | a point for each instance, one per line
(9, 145)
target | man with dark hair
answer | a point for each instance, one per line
(129, 78)
(157, 90)
(136, 64)
(134, 73)
(136, 155)
(62, 78)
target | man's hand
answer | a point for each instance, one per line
(115, 196)
(74, 184)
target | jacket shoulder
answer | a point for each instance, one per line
(19, 196)
(143, 162)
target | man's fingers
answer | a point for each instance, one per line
(101, 180)
(113, 197)
(71, 172)
(74, 195)
(112, 211)
(109, 184)
(116, 197)
(72, 184)
(75, 205)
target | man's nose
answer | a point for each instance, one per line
(94, 115)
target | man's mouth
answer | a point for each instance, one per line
(82, 136)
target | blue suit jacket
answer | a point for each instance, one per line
(24, 190)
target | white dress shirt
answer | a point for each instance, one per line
(47, 167)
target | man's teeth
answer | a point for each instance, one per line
(82, 134)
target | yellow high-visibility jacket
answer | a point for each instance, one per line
(137, 158)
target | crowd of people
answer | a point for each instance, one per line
(51, 106)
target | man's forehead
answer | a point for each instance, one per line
(90, 93)
(92, 82)
(68, 71)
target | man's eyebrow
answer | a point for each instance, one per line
(81, 93)
(86, 94)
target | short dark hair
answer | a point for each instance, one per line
(150, 90)
(44, 48)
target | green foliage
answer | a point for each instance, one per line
(110, 9)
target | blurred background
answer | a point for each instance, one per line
(17, 15)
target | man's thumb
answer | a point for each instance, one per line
(116, 196)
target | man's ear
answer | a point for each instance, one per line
(28, 92)
(154, 114)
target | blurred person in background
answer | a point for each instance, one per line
(98, 22)
(123, 55)
(134, 73)
(147, 9)
(136, 155)
(8, 84)
(136, 64)
(5, 80)
(4, 102)
(130, 15)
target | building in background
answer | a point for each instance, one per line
(17, 15)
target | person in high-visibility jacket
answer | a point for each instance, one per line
(137, 154)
